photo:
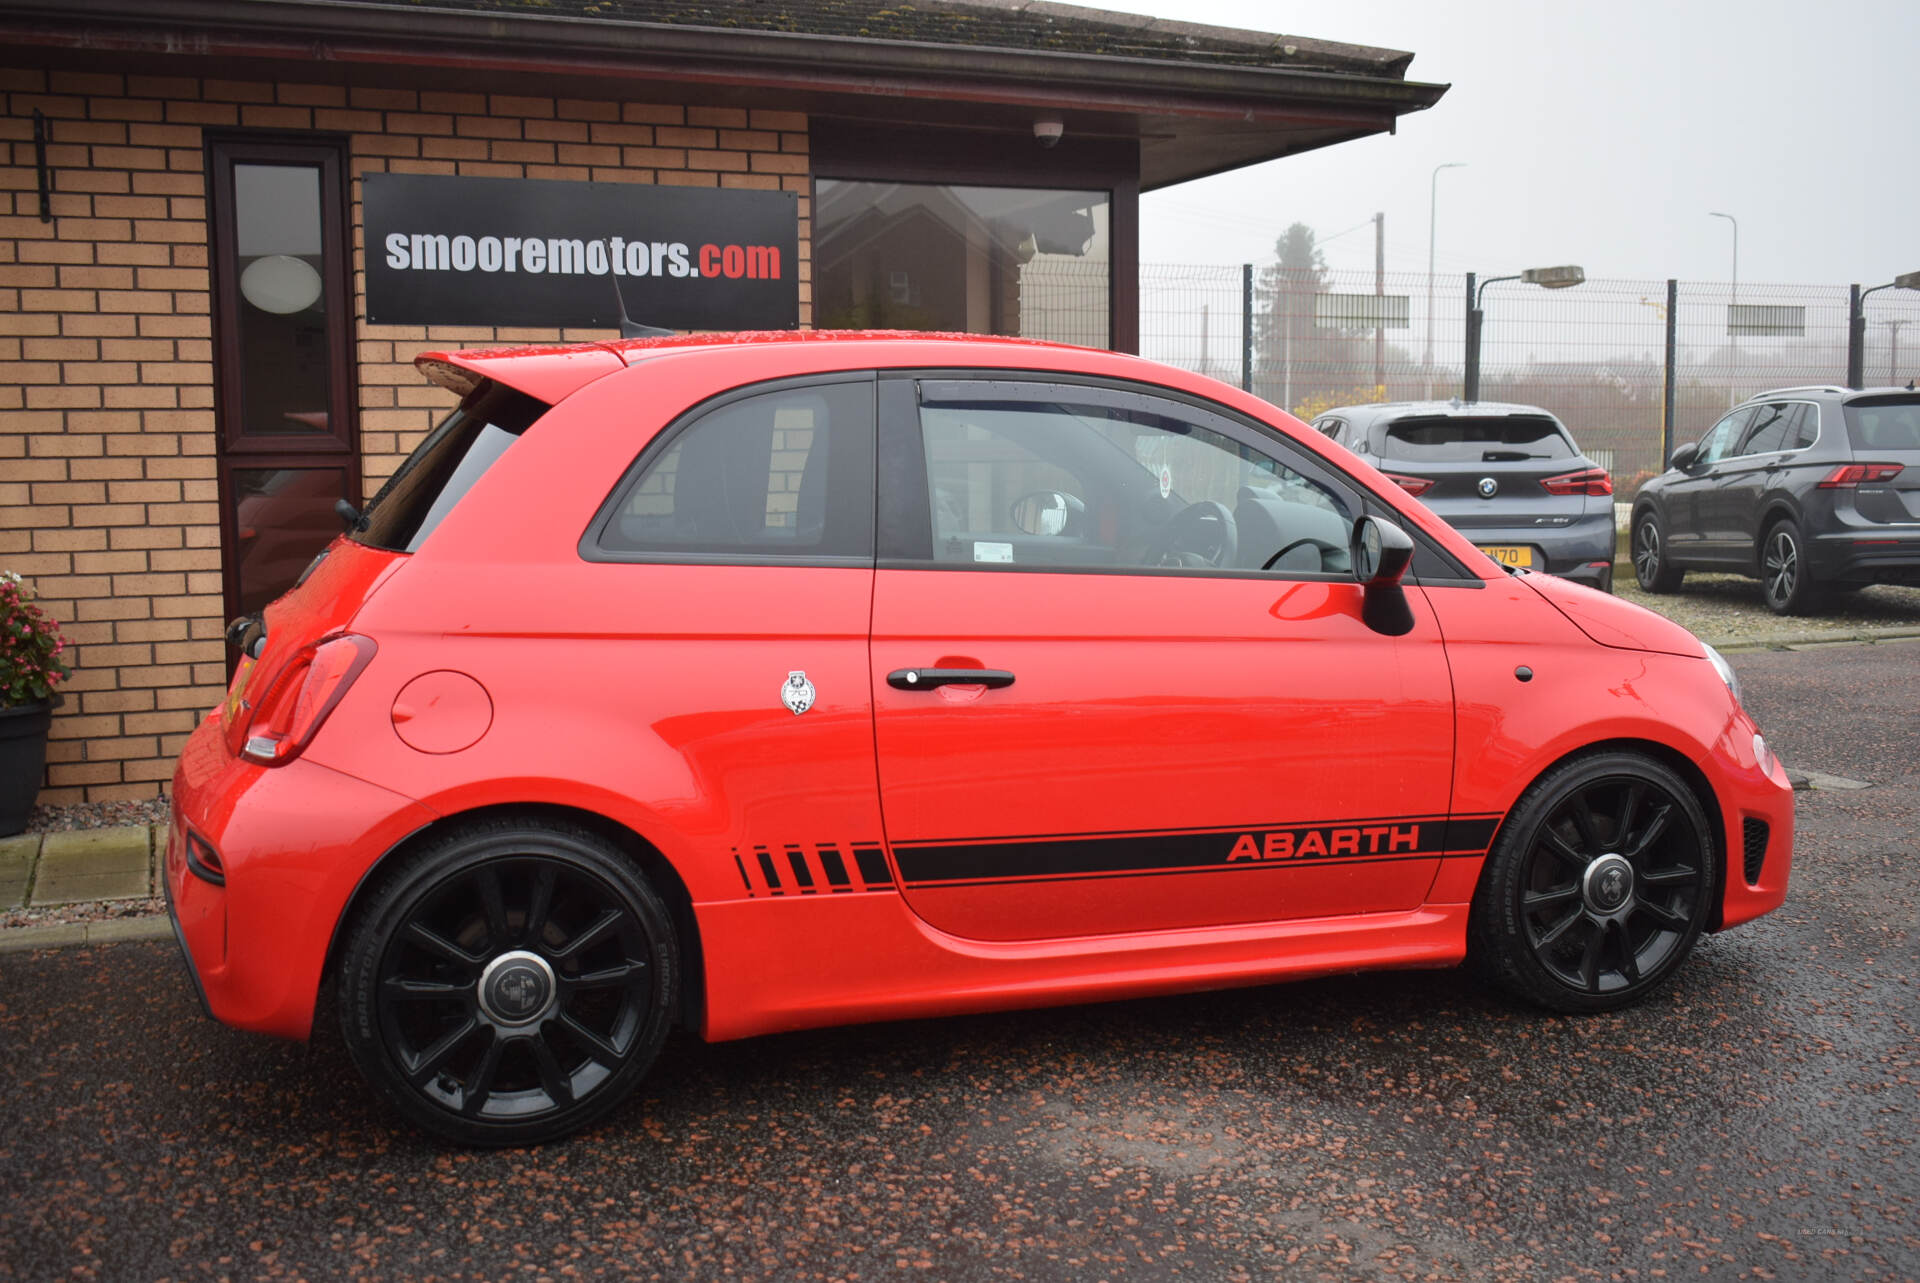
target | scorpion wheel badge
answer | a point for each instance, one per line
(797, 693)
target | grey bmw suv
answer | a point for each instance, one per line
(1508, 477)
(1812, 490)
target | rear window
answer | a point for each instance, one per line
(1495, 439)
(442, 468)
(1883, 424)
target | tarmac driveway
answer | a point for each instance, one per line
(1758, 1118)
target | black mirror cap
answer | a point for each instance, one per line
(1380, 551)
(1684, 455)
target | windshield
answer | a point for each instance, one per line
(442, 468)
(1452, 439)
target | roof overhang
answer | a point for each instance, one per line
(1189, 118)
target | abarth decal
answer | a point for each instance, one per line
(1193, 851)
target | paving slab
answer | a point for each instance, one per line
(16, 868)
(96, 864)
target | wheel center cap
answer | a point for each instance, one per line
(1607, 884)
(517, 988)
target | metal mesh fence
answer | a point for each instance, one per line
(1594, 355)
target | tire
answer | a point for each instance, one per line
(1652, 565)
(1786, 579)
(509, 983)
(1600, 882)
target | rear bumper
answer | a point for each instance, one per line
(292, 842)
(1867, 555)
(1581, 551)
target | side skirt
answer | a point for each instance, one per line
(777, 965)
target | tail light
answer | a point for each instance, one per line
(295, 705)
(1587, 481)
(1848, 475)
(1415, 486)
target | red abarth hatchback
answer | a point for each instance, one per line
(758, 682)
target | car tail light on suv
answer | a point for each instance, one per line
(1415, 486)
(1848, 475)
(296, 704)
(1587, 481)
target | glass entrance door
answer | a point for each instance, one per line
(285, 405)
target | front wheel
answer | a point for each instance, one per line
(1652, 565)
(1600, 882)
(510, 983)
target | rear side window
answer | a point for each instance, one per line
(779, 475)
(1884, 424)
(442, 468)
(1451, 439)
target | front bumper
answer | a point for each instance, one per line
(293, 842)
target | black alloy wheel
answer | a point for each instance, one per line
(509, 984)
(1599, 885)
(1651, 565)
(1785, 576)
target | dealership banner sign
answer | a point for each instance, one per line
(532, 252)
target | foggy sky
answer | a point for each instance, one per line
(1594, 133)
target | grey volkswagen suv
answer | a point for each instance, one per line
(1508, 477)
(1812, 490)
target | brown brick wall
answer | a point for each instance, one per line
(107, 486)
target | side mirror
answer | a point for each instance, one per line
(1380, 552)
(1046, 512)
(1683, 456)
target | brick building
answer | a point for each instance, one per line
(189, 375)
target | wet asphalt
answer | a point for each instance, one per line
(1755, 1119)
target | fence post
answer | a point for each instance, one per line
(1856, 338)
(1246, 327)
(1672, 376)
(1470, 377)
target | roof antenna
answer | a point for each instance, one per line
(630, 328)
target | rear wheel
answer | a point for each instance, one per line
(509, 984)
(1598, 886)
(1785, 577)
(1652, 565)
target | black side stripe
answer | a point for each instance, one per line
(802, 875)
(1280, 845)
(873, 865)
(834, 867)
(767, 870)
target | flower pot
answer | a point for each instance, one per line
(23, 761)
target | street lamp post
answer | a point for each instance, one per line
(1857, 323)
(1433, 195)
(1733, 302)
(1547, 278)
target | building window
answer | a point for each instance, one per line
(1030, 262)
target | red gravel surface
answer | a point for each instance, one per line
(1756, 1119)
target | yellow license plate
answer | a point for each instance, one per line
(1510, 554)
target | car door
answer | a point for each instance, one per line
(1161, 733)
(1750, 472)
(1690, 498)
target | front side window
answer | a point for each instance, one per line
(1719, 443)
(783, 474)
(1071, 480)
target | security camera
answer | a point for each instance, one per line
(1047, 130)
